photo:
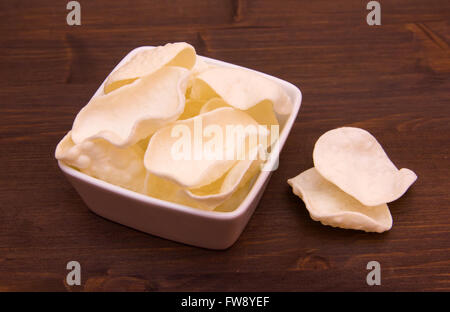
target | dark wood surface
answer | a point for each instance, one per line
(392, 80)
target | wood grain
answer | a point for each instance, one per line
(392, 80)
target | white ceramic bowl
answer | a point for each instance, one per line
(208, 229)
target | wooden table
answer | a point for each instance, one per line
(392, 80)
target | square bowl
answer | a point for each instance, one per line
(207, 229)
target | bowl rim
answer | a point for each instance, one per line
(218, 215)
